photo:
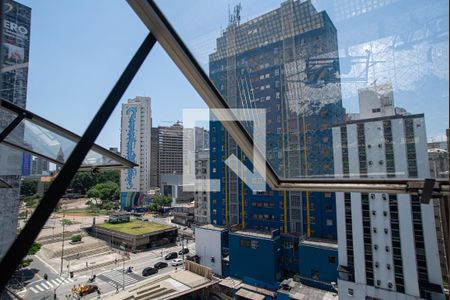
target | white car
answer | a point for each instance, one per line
(177, 262)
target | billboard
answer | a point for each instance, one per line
(16, 49)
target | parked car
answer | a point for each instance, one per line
(171, 255)
(183, 251)
(160, 265)
(149, 271)
(177, 262)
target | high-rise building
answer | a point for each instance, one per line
(26, 164)
(167, 150)
(201, 197)
(388, 246)
(13, 88)
(135, 146)
(155, 180)
(167, 147)
(289, 70)
(286, 62)
(201, 139)
(170, 149)
(438, 157)
(39, 166)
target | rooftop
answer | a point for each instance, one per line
(300, 291)
(320, 243)
(135, 227)
(212, 227)
(258, 234)
(167, 286)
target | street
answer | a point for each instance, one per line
(108, 279)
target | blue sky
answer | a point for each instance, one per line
(79, 49)
(76, 56)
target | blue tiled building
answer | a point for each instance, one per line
(284, 61)
(255, 258)
(319, 264)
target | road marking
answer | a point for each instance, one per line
(45, 263)
(33, 290)
(45, 285)
(59, 281)
(39, 288)
(49, 283)
(55, 282)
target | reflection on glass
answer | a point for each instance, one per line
(351, 89)
(51, 146)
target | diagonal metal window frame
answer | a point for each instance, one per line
(23, 114)
(50, 200)
(157, 23)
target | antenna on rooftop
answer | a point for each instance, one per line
(235, 17)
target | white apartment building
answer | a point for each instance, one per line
(388, 245)
(135, 144)
(201, 197)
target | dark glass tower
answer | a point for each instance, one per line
(284, 61)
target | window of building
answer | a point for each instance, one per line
(254, 244)
(329, 222)
(315, 274)
(332, 259)
(245, 243)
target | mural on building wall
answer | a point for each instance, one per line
(131, 200)
(130, 178)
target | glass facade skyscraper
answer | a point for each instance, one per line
(284, 61)
(13, 88)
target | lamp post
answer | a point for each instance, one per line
(62, 244)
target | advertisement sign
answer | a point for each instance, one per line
(16, 48)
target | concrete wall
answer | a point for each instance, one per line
(208, 244)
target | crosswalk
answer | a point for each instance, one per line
(50, 284)
(117, 278)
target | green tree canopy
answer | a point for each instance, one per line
(113, 176)
(28, 187)
(108, 192)
(34, 248)
(162, 200)
(83, 181)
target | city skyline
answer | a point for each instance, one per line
(352, 197)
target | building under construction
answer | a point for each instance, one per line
(284, 61)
